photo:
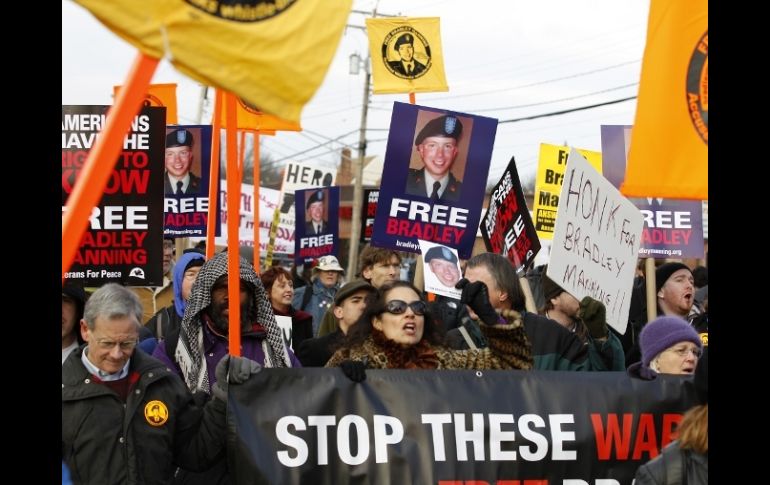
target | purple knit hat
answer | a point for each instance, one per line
(662, 333)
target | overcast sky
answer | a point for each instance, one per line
(504, 59)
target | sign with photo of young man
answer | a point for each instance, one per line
(434, 177)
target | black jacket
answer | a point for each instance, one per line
(675, 466)
(316, 352)
(107, 441)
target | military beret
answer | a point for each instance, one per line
(179, 138)
(447, 126)
(404, 39)
(440, 252)
(316, 196)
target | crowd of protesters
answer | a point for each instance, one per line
(116, 362)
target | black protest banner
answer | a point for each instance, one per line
(124, 239)
(449, 427)
(507, 227)
(367, 214)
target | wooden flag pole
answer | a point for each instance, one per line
(233, 223)
(211, 223)
(101, 159)
(652, 300)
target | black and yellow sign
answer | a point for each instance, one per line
(156, 413)
(406, 55)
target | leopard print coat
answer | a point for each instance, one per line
(508, 348)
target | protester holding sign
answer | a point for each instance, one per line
(280, 290)
(553, 346)
(397, 331)
(585, 318)
(202, 340)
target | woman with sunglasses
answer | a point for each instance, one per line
(396, 331)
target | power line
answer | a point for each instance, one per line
(556, 100)
(538, 83)
(331, 140)
(556, 113)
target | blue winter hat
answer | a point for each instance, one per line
(186, 261)
(662, 333)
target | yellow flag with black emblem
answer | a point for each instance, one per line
(406, 55)
(159, 95)
(669, 149)
(272, 53)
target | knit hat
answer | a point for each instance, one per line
(702, 378)
(550, 288)
(662, 333)
(664, 272)
(349, 289)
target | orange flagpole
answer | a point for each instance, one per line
(411, 98)
(211, 223)
(101, 160)
(255, 168)
(233, 223)
(242, 152)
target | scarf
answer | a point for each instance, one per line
(418, 356)
(189, 353)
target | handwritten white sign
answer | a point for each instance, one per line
(596, 240)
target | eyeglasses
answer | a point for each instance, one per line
(397, 307)
(125, 346)
(683, 351)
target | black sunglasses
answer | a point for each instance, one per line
(398, 307)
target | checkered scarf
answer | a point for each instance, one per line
(189, 353)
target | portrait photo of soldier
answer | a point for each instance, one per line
(180, 155)
(406, 64)
(437, 170)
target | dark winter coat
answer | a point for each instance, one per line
(107, 441)
(675, 466)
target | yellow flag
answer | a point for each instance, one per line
(669, 142)
(249, 118)
(159, 95)
(274, 54)
(406, 55)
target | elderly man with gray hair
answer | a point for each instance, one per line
(126, 418)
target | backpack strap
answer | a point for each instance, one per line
(171, 341)
(159, 324)
(306, 296)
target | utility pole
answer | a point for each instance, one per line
(358, 171)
